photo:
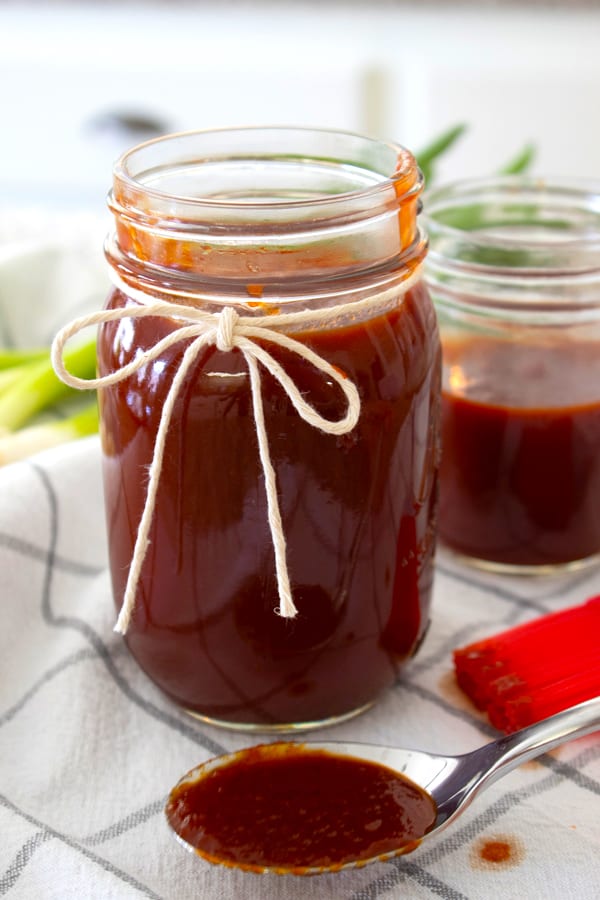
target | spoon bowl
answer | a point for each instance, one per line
(449, 782)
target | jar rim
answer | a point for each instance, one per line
(265, 208)
(134, 169)
(450, 215)
(516, 246)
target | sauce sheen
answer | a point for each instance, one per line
(282, 806)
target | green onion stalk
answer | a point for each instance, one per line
(34, 438)
(28, 387)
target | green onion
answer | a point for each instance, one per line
(36, 387)
(521, 162)
(10, 358)
(19, 444)
(436, 148)
(10, 377)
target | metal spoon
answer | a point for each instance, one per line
(451, 781)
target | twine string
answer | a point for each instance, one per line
(142, 540)
(226, 330)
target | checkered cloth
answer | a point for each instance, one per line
(89, 748)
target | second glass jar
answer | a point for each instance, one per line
(514, 271)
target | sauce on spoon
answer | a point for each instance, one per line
(288, 808)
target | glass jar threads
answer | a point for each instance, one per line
(514, 271)
(270, 421)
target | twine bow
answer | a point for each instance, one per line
(227, 330)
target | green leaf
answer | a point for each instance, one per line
(430, 153)
(521, 162)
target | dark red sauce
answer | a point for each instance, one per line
(289, 807)
(520, 475)
(358, 514)
(496, 851)
(502, 852)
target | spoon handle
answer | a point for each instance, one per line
(514, 749)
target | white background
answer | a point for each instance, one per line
(396, 71)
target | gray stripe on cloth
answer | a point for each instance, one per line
(24, 548)
(75, 845)
(462, 714)
(576, 579)
(47, 676)
(12, 874)
(554, 585)
(494, 590)
(79, 625)
(138, 817)
(570, 772)
(407, 871)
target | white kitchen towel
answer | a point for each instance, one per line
(89, 747)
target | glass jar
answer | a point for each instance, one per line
(514, 272)
(317, 230)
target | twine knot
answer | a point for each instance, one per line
(225, 335)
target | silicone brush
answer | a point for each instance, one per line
(536, 669)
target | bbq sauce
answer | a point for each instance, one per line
(358, 515)
(520, 474)
(290, 808)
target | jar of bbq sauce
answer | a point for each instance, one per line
(514, 271)
(270, 439)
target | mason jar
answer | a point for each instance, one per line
(514, 272)
(270, 421)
